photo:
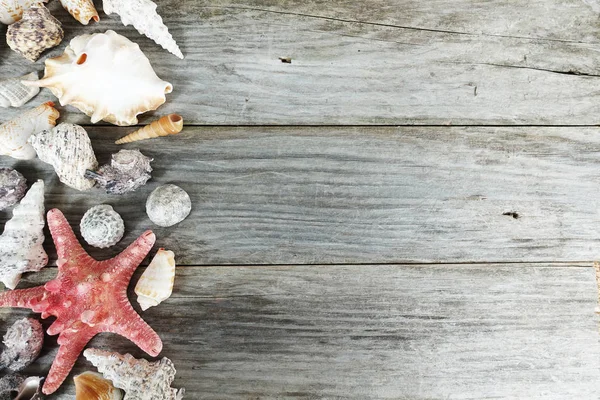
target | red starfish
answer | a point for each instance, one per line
(87, 297)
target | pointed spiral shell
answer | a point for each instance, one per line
(168, 125)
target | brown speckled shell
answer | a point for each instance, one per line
(37, 31)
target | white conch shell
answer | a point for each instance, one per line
(143, 16)
(139, 378)
(156, 283)
(12, 10)
(21, 243)
(106, 76)
(81, 10)
(14, 94)
(14, 133)
(68, 148)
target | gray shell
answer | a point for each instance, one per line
(37, 31)
(101, 226)
(128, 170)
(13, 186)
(25, 388)
(14, 94)
(168, 205)
(139, 378)
(67, 147)
(23, 341)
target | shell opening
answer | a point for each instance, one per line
(82, 58)
(174, 118)
(168, 88)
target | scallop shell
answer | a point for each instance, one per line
(12, 187)
(25, 388)
(143, 16)
(139, 378)
(168, 205)
(15, 133)
(101, 226)
(168, 125)
(92, 386)
(81, 10)
(68, 148)
(21, 243)
(106, 76)
(14, 94)
(12, 10)
(156, 283)
(23, 341)
(36, 32)
(128, 170)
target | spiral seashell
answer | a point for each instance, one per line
(37, 31)
(156, 283)
(81, 10)
(93, 386)
(12, 187)
(68, 149)
(101, 226)
(127, 171)
(15, 133)
(168, 125)
(14, 94)
(23, 341)
(12, 10)
(168, 205)
(106, 76)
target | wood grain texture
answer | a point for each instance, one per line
(360, 195)
(366, 332)
(377, 62)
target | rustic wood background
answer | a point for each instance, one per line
(407, 210)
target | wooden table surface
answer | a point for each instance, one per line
(407, 210)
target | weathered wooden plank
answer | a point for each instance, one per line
(379, 62)
(393, 332)
(361, 195)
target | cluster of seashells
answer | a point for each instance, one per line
(79, 78)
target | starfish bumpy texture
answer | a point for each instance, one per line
(87, 297)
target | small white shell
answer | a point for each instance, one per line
(15, 133)
(14, 94)
(101, 226)
(68, 149)
(156, 283)
(168, 205)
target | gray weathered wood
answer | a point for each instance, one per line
(365, 332)
(361, 195)
(380, 62)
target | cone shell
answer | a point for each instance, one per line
(12, 10)
(106, 76)
(35, 32)
(15, 133)
(21, 243)
(93, 386)
(102, 227)
(68, 149)
(143, 16)
(14, 94)
(167, 125)
(81, 10)
(156, 283)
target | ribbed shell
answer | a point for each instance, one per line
(23, 342)
(156, 283)
(12, 10)
(37, 31)
(21, 243)
(81, 10)
(14, 94)
(168, 205)
(13, 186)
(15, 133)
(101, 226)
(93, 386)
(68, 148)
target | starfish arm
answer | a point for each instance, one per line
(127, 262)
(130, 325)
(71, 345)
(24, 298)
(67, 245)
